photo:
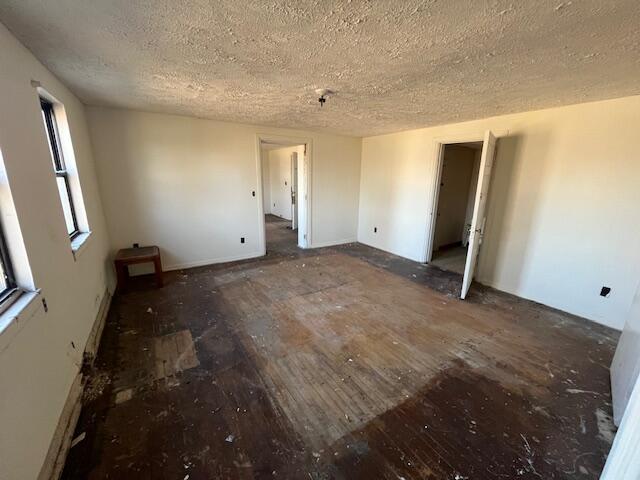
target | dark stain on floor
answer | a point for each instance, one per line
(463, 425)
(153, 409)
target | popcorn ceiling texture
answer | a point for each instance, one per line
(396, 65)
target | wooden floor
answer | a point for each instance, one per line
(343, 363)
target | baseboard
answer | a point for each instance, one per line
(61, 442)
(333, 243)
(397, 254)
(63, 435)
(203, 263)
(93, 342)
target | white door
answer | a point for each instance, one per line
(478, 218)
(625, 367)
(623, 460)
(294, 190)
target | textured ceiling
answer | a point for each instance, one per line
(396, 65)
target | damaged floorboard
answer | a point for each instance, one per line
(341, 363)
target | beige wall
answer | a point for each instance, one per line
(41, 353)
(457, 170)
(563, 217)
(186, 184)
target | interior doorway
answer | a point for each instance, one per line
(458, 182)
(284, 164)
(458, 215)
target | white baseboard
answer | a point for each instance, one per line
(332, 243)
(203, 263)
(397, 254)
(63, 435)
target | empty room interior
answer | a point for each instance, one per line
(319, 240)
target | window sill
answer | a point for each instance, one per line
(79, 243)
(16, 316)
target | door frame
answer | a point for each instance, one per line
(440, 145)
(294, 190)
(304, 230)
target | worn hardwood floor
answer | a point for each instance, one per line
(342, 363)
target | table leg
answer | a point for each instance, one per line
(122, 272)
(157, 263)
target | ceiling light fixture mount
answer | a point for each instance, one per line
(324, 94)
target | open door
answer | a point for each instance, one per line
(478, 218)
(294, 190)
(622, 461)
(625, 367)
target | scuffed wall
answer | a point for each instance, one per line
(41, 354)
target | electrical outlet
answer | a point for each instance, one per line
(253, 193)
(241, 239)
(136, 245)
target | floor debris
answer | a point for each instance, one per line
(124, 395)
(266, 361)
(78, 439)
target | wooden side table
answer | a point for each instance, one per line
(132, 256)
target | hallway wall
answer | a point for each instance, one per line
(279, 181)
(455, 182)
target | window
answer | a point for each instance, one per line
(8, 287)
(62, 177)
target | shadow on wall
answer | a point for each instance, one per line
(500, 263)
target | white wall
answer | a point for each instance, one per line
(185, 184)
(37, 360)
(563, 217)
(279, 160)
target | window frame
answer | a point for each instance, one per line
(11, 291)
(58, 159)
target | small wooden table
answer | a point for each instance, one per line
(131, 256)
